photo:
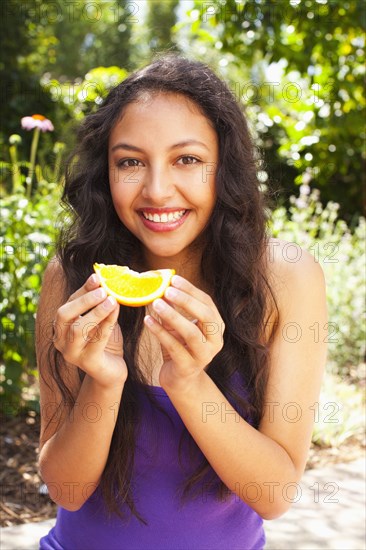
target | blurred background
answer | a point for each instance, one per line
(296, 67)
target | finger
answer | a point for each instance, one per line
(204, 339)
(184, 285)
(175, 349)
(91, 321)
(206, 314)
(80, 305)
(190, 333)
(98, 336)
(173, 332)
(175, 335)
(90, 284)
(81, 330)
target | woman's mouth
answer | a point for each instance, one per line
(163, 221)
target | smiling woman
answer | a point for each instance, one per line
(163, 412)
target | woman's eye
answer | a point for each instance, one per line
(128, 163)
(187, 159)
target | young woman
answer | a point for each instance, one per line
(180, 425)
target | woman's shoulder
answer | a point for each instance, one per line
(286, 260)
(54, 277)
(291, 271)
(54, 267)
(53, 289)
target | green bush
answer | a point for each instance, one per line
(27, 240)
(340, 252)
(27, 237)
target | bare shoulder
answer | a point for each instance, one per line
(289, 265)
(53, 278)
(296, 282)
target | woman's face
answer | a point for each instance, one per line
(163, 155)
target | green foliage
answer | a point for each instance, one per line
(62, 40)
(24, 176)
(160, 20)
(80, 97)
(90, 34)
(19, 77)
(29, 207)
(340, 252)
(299, 69)
(27, 240)
(69, 38)
(84, 95)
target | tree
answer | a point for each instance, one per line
(298, 66)
(91, 34)
(21, 93)
(56, 42)
(160, 20)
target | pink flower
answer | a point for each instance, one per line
(37, 121)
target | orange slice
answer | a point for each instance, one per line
(131, 288)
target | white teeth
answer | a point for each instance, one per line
(165, 217)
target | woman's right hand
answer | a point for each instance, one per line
(87, 334)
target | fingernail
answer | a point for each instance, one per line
(159, 305)
(109, 303)
(94, 279)
(171, 292)
(149, 320)
(177, 281)
(99, 293)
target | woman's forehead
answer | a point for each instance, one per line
(165, 111)
(147, 100)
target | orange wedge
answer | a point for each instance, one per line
(131, 288)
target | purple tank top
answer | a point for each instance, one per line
(203, 523)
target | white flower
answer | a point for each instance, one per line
(304, 190)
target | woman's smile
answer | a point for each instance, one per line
(164, 219)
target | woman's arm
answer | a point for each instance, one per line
(264, 466)
(74, 444)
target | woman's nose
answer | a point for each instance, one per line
(158, 186)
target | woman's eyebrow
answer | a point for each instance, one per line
(188, 142)
(185, 143)
(126, 146)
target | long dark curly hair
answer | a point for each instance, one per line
(233, 257)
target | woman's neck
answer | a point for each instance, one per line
(187, 266)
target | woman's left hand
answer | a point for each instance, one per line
(187, 346)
